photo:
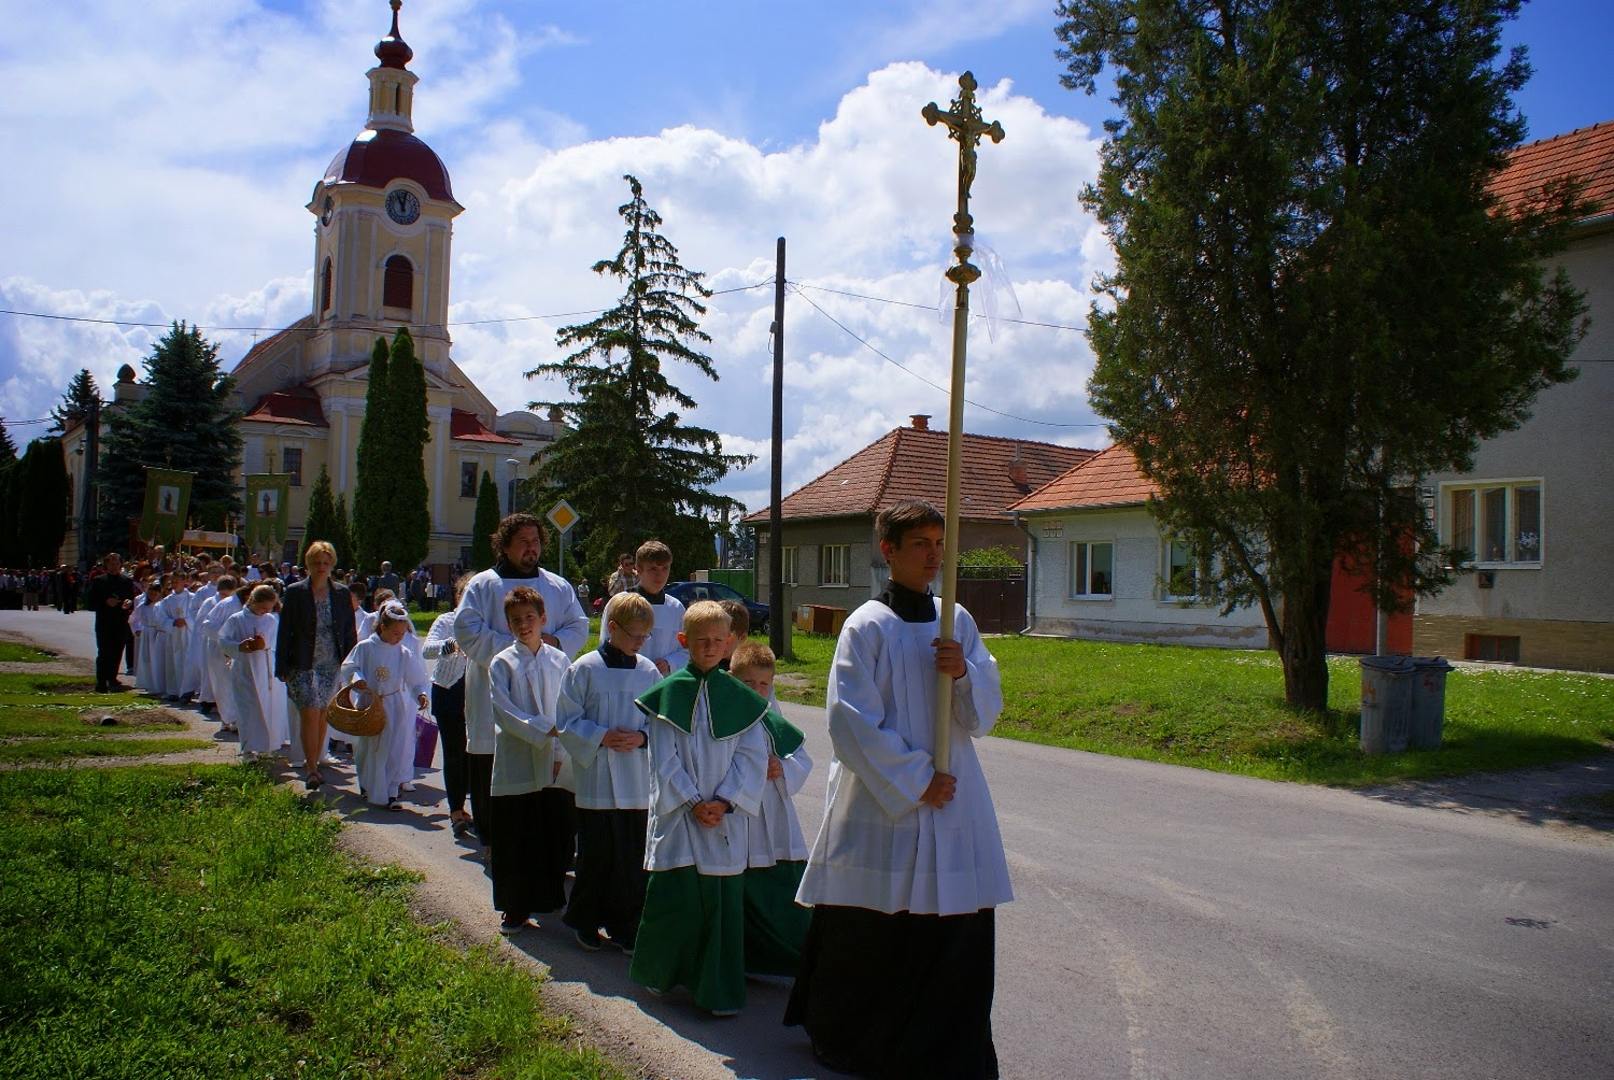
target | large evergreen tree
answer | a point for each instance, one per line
(343, 534)
(1316, 298)
(409, 507)
(371, 490)
(82, 395)
(186, 421)
(321, 523)
(631, 466)
(41, 491)
(487, 522)
(8, 449)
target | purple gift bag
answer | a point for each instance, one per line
(425, 741)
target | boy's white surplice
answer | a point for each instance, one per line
(218, 661)
(775, 835)
(879, 847)
(525, 689)
(686, 769)
(595, 699)
(395, 672)
(176, 641)
(257, 698)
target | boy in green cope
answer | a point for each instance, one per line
(708, 764)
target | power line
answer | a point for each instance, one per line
(921, 378)
(927, 307)
(20, 423)
(314, 329)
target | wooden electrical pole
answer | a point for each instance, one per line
(776, 551)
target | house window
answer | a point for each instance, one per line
(325, 286)
(1182, 573)
(832, 564)
(1092, 570)
(467, 479)
(1498, 523)
(398, 283)
(1491, 647)
(291, 463)
(788, 574)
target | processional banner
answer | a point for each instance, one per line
(268, 496)
(168, 502)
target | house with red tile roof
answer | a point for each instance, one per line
(830, 554)
(1537, 509)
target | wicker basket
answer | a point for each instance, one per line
(350, 719)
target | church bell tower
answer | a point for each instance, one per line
(384, 229)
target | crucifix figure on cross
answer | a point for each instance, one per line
(966, 126)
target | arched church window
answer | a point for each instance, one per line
(398, 283)
(325, 286)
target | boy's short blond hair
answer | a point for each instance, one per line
(705, 613)
(653, 552)
(752, 656)
(629, 609)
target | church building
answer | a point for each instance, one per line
(383, 237)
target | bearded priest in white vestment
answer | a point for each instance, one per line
(898, 969)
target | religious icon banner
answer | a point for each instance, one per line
(268, 495)
(168, 502)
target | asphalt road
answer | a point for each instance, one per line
(1176, 923)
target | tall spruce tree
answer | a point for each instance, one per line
(321, 524)
(409, 508)
(8, 449)
(82, 395)
(187, 421)
(372, 489)
(10, 511)
(42, 493)
(1317, 300)
(487, 522)
(631, 467)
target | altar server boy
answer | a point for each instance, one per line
(603, 731)
(533, 817)
(708, 765)
(653, 562)
(248, 638)
(775, 925)
(146, 620)
(230, 601)
(387, 665)
(176, 636)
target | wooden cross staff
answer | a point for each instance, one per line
(965, 126)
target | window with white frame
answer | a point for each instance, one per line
(832, 564)
(1092, 570)
(1497, 522)
(1183, 572)
(788, 557)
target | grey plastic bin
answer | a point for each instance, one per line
(1386, 703)
(1428, 702)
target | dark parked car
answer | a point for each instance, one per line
(688, 592)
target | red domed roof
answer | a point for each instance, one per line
(378, 157)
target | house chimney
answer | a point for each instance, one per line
(921, 421)
(1017, 471)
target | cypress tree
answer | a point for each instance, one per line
(186, 421)
(372, 489)
(409, 430)
(626, 410)
(342, 538)
(487, 522)
(41, 488)
(321, 524)
(82, 395)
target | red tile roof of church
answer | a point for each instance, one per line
(911, 463)
(1587, 153)
(298, 405)
(465, 425)
(1108, 478)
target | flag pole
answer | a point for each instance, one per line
(965, 126)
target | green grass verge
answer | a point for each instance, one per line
(1223, 710)
(21, 688)
(199, 922)
(13, 653)
(17, 721)
(47, 751)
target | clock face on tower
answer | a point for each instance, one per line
(402, 206)
(328, 211)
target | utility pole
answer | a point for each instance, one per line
(776, 551)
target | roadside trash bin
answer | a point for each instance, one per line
(1428, 708)
(1386, 700)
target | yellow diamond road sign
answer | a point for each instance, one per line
(562, 516)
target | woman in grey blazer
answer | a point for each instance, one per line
(316, 634)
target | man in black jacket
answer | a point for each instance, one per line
(111, 597)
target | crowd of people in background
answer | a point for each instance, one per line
(639, 783)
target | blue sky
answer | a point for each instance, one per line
(160, 155)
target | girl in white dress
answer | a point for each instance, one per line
(388, 665)
(248, 638)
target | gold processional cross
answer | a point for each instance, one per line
(965, 126)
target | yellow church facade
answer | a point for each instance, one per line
(383, 238)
